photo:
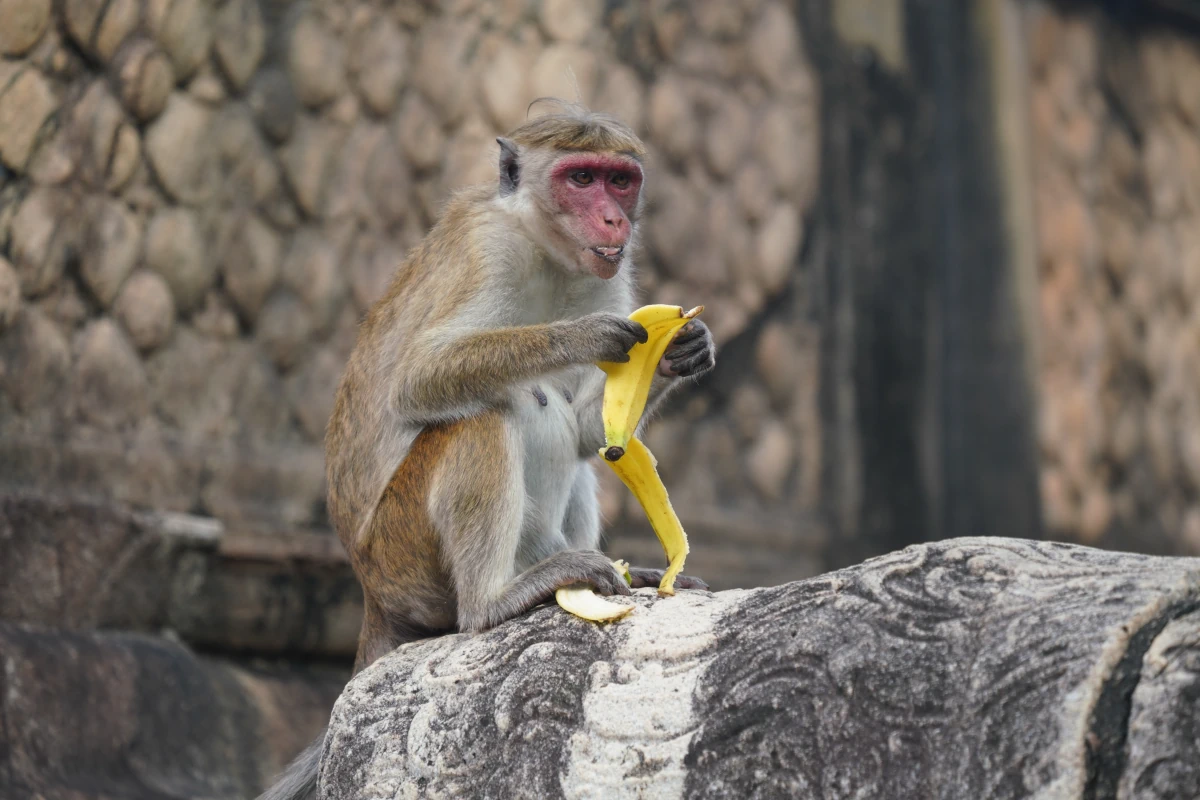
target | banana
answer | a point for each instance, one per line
(625, 393)
(626, 390)
(580, 600)
(622, 568)
(628, 385)
(638, 470)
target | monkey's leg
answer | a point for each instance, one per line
(477, 505)
(407, 590)
(376, 638)
(581, 523)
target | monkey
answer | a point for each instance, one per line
(459, 451)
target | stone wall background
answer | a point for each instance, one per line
(199, 200)
(1116, 145)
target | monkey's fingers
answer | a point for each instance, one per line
(689, 359)
(695, 329)
(616, 336)
(689, 365)
(691, 353)
(638, 330)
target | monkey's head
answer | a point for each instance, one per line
(575, 179)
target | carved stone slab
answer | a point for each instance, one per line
(119, 716)
(971, 668)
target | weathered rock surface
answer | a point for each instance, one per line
(86, 564)
(146, 309)
(972, 668)
(25, 22)
(10, 294)
(144, 76)
(100, 716)
(26, 102)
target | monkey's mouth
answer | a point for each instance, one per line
(610, 254)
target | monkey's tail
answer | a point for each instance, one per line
(299, 779)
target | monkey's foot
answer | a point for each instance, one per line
(644, 577)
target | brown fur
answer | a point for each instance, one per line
(449, 470)
(412, 594)
(577, 128)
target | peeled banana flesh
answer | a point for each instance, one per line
(582, 601)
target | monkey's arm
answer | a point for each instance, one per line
(691, 354)
(447, 374)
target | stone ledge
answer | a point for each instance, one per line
(83, 564)
(93, 716)
(970, 668)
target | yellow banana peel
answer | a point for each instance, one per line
(626, 390)
(580, 599)
(638, 470)
(628, 385)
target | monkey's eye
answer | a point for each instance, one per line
(583, 177)
(620, 180)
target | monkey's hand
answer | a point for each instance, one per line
(643, 577)
(602, 337)
(691, 353)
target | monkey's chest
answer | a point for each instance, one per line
(550, 435)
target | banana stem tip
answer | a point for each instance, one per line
(614, 453)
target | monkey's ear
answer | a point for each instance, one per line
(510, 169)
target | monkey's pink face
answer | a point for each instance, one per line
(597, 194)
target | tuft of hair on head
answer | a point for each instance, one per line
(573, 126)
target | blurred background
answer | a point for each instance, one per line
(950, 252)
